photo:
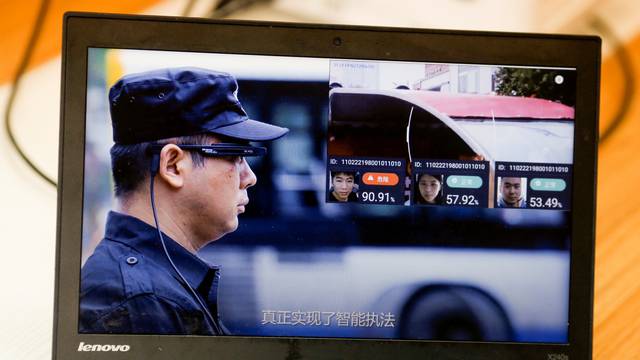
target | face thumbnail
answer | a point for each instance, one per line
(511, 190)
(342, 183)
(429, 187)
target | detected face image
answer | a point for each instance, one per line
(512, 192)
(343, 187)
(429, 190)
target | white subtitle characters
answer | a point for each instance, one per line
(327, 318)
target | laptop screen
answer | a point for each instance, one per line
(407, 200)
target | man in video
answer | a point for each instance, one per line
(511, 193)
(429, 189)
(181, 179)
(342, 187)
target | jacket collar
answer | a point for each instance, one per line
(144, 238)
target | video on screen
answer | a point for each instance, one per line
(245, 195)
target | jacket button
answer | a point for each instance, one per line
(132, 260)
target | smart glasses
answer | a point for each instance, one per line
(219, 149)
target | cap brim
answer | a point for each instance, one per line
(252, 130)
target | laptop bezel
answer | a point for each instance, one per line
(86, 30)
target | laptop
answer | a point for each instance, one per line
(258, 190)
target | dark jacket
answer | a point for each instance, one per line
(128, 285)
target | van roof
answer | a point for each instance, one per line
(480, 106)
(488, 106)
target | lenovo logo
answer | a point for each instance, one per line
(98, 347)
(557, 357)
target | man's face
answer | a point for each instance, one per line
(342, 186)
(218, 194)
(429, 187)
(511, 190)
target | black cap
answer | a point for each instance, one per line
(176, 102)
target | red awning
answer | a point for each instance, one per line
(488, 106)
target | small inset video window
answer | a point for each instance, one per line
(428, 189)
(512, 192)
(343, 186)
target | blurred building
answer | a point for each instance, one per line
(467, 79)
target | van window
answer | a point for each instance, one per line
(375, 125)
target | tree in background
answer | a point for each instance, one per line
(555, 85)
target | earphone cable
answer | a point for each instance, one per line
(208, 315)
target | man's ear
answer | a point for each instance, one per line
(173, 165)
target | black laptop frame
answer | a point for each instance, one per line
(85, 30)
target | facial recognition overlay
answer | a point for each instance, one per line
(379, 182)
(465, 182)
(543, 186)
(324, 230)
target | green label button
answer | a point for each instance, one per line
(539, 184)
(464, 181)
